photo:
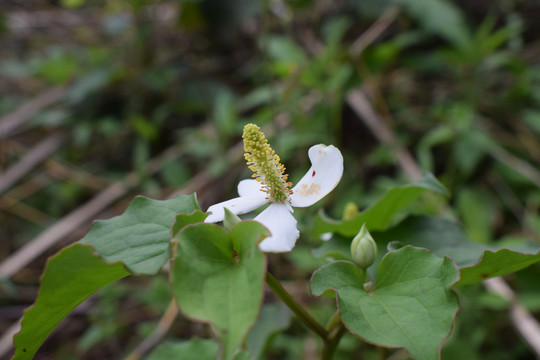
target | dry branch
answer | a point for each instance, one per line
(31, 159)
(11, 121)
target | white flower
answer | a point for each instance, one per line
(323, 176)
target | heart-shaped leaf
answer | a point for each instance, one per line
(70, 277)
(411, 306)
(218, 277)
(140, 236)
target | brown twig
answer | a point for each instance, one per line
(31, 159)
(16, 118)
(374, 31)
(24, 211)
(6, 341)
(360, 104)
(159, 332)
(515, 163)
(524, 322)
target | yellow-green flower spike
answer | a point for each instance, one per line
(265, 164)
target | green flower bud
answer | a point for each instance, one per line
(350, 211)
(363, 248)
(230, 219)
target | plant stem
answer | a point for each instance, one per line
(298, 310)
(333, 322)
(331, 343)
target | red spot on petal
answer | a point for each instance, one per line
(313, 174)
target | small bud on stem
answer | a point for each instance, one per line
(363, 248)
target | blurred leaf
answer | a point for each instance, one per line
(338, 78)
(272, 319)
(144, 127)
(218, 277)
(140, 157)
(476, 212)
(57, 68)
(15, 69)
(97, 333)
(532, 118)
(440, 17)
(411, 306)
(140, 236)
(84, 85)
(157, 295)
(52, 117)
(334, 29)
(82, 134)
(160, 78)
(438, 135)
(194, 349)
(224, 114)
(380, 215)
(259, 96)
(471, 146)
(370, 8)
(288, 56)
(70, 277)
(533, 220)
(72, 4)
(175, 173)
(497, 263)
(476, 261)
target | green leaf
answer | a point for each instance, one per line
(183, 220)
(72, 4)
(140, 236)
(70, 277)
(195, 349)
(476, 210)
(224, 113)
(218, 277)
(476, 261)
(273, 318)
(497, 263)
(380, 215)
(411, 306)
(439, 17)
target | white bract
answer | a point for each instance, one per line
(323, 176)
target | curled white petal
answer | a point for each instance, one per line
(250, 187)
(282, 225)
(238, 206)
(323, 176)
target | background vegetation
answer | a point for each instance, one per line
(103, 100)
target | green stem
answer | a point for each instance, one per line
(333, 322)
(298, 310)
(332, 341)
